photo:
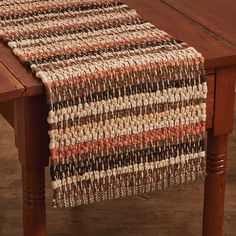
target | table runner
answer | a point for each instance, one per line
(127, 102)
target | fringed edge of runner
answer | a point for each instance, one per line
(86, 191)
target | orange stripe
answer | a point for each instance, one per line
(119, 71)
(128, 140)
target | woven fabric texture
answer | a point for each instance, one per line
(127, 102)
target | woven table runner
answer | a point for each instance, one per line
(127, 102)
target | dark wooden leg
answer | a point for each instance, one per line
(34, 211)
(213, 216)
(32, 141)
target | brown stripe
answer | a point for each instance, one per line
(117, 80)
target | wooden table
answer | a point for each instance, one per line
(209, 26)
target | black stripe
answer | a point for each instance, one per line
(148, 87)
(82, 165)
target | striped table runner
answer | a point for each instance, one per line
(127, 102)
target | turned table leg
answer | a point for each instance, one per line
(213, 216)
(32, 142)
(34, 211)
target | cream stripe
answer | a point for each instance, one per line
(127, 125)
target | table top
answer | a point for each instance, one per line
(209, 26)
(216, 16)
(195, 25)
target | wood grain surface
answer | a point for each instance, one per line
(33, 86)
(10, 87)
(215, 49)
(216, 16)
